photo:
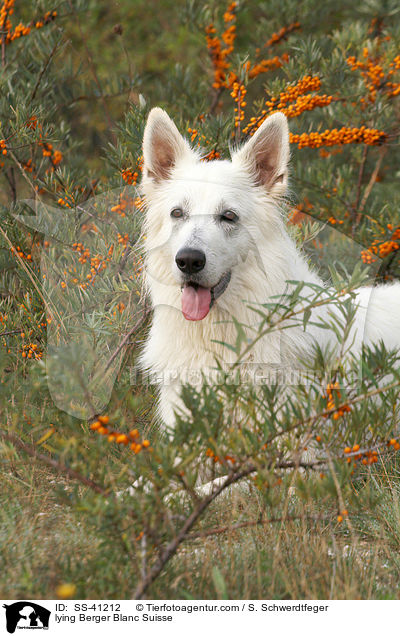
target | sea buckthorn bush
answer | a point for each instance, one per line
(79, 444)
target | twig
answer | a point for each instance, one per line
(312, 418)
(359, 182)
(3, 41)
(370, 184)
(42, 72)
(173, 545)
(59, 467)
(238, 526)
(29, 274)
(23, 173)
(373, 178)
(11, 182)
(124, 341)
(10, 333)
(360, 176)
(215, 99)
(238, 118)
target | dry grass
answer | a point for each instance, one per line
(45, 542)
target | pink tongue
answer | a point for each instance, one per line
(195, 302)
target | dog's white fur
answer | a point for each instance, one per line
(257, 250)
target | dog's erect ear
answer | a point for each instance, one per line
(266, 154)
(163, 145)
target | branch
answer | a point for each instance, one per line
(311, 419)
(124, 341)
(173, 545)
(202, 534)
(44, 69)
(214, 103)
(371, 184)
(3, 41)
(11, 333)
(360, 175)
(11, 182)
(57, 466)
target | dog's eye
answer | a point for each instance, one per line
(229, 216)
(177, 213)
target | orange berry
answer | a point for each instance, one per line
(95, 426)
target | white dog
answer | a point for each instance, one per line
(216, 245)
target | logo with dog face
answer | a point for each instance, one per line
(26, 615)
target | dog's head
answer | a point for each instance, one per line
(201, 220)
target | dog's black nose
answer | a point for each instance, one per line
(190, 261)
